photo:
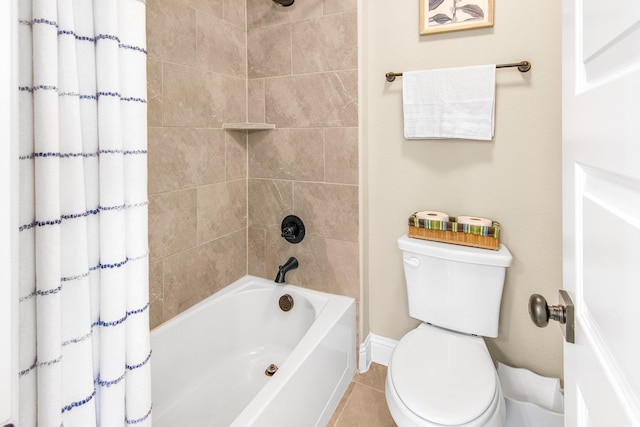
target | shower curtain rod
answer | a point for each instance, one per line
(523, 67)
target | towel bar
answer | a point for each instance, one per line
(523, 67)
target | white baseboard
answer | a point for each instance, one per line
(377, 349)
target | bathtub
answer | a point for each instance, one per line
(209, 362)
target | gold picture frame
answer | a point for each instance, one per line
(439, 16)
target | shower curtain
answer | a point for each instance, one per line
(84, 328)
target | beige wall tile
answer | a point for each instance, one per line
(185, 157)
(287, 154)
(333, 267)
(328, 210)
(154, 92)
(295, 101)
(156, 294)
(341, 155)
(269, 51)
(196, 98)
(235, 12)
(172, 223)
(265, 12)
(255, 99)
(236, 155)
(269, 202)
(337, 6)
(222, 209)
(261, 13)
(221, 46)
(193, 275)
(256, 252)
(171, 31)
(211, 7)
(324, 44)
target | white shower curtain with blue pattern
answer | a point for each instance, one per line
(84, 324)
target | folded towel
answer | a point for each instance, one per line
(449, 103)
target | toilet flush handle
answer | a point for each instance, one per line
(412, 262)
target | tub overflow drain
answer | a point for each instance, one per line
(271, 369)
(286, 302)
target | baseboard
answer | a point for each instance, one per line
(376, 349)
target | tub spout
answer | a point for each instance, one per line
(291, 264)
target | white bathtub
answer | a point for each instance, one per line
(208, 365)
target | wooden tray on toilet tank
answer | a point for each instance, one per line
(453, 232)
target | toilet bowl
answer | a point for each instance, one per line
(441, 373)
(438, 377)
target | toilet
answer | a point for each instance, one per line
(441, 373)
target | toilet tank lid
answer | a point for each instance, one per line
(500, 258)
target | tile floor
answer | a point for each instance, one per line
(364, 404)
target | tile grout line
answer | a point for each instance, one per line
(344, 407)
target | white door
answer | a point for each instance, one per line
(601, 212)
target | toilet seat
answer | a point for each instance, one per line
(443, 377)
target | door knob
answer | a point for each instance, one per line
(540, 313)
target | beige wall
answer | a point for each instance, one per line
(514, 179)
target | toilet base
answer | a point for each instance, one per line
(494, 416)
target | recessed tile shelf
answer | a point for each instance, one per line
(248, 126)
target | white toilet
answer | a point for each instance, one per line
(441, 373)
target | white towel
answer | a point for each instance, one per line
(449, 103)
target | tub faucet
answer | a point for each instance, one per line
(291, 264)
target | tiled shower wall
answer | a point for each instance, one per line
(197, 171)
(216, 203)
(302, 71)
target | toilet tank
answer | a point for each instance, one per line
(453, 286)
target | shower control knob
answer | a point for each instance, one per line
(292, 229)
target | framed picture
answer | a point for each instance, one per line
(438, 16)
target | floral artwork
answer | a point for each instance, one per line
(451, 15)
